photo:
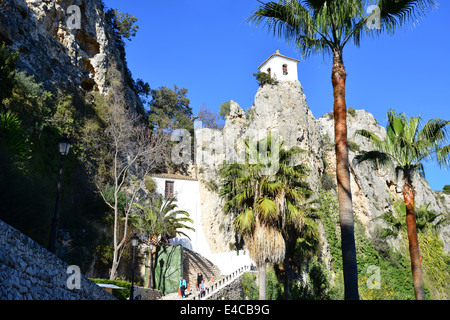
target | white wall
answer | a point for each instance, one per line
(187, 194)
(276, 65)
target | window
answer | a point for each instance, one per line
(169, 190)
(285, 71)
(269, 72)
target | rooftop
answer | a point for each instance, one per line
(278, 54)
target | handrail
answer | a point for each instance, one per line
(223, 282)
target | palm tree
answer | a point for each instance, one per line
(158, 221)
(326, 26)
(264, 205)
(425, 219)
(406, 146)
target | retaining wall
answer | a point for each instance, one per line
(30, 272)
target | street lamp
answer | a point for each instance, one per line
(64, 146)
(134, 243)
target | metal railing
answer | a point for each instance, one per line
(223, 282)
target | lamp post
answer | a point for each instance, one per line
(64, 146)
(134, 243)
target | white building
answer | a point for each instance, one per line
(280, 67)
(186, 191)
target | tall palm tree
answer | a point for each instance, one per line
(159, 220)
(325, 27)
(264, 204)
(406, 146)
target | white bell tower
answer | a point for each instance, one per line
(280, 67)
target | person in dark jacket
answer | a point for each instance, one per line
(199, 279)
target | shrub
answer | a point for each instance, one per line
(264, 78)
(447, 189)
(351, 112)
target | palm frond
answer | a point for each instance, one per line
(396, 13)
(376, 141)
(245, 221)
(443, 156)
(380, 159)
(267, 208)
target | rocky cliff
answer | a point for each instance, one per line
(283, 107)
(62, 43)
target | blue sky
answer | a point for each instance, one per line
(207, 47)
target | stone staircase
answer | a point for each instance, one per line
(193, 263)
(215, 282)
(221, 284)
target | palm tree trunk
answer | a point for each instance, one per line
(416, 267)
(343, 179)
(147, 265)
(262, 280)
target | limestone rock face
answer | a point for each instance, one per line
(282, 107)
(55, 50)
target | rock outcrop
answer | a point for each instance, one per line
(64, 44)
(282, 107)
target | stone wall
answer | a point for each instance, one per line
(147, 293)
(233, 291)
(30, 272)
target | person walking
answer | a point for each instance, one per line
(182, 287)
(202, 289)
(199, 279)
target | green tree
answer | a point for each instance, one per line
(264, 201)
(264, 78)
(170, 110)
(124, 24)
(159, 220)
(326, 27)
(446, 189)
(12, 134)
(224, 109)
(8, 61)
(406, 146)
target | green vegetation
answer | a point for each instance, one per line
(406, 146)
(224, 109)
(264, 78)
(170, 110)
(446, 189)
(8, 61)
(31, 121)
